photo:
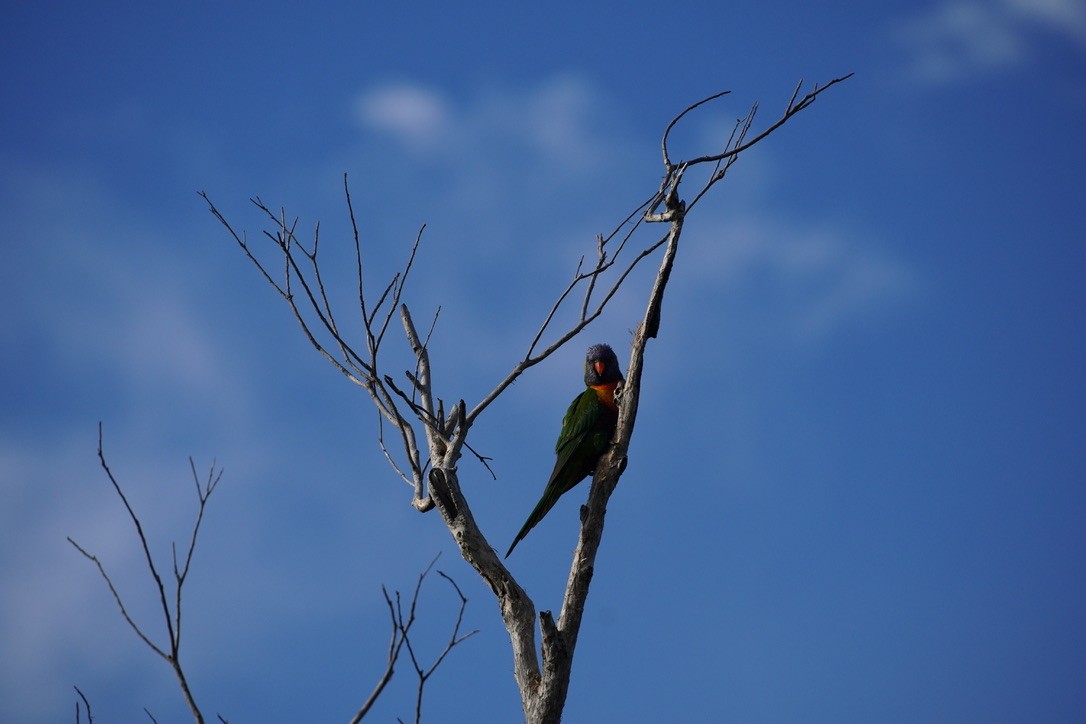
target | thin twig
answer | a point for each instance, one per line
(792, 109)
(676, 119)
(90, 717)
(358, 263)
(345, 358)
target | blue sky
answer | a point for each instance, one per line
(855, 490)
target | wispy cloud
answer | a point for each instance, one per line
(552, 119)
(54, 592)
(414, 115)
(1063, 17)
(802, 285)
(958, 39)
(127, 308)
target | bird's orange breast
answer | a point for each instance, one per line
(606, 394)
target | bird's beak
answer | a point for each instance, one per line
(599, 366)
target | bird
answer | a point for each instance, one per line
(587, 429)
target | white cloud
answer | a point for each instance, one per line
(415, 115)
(855, 282)
(551, 120)
(961, 38)
(125, 307)
(1066, 17)
(803, 285)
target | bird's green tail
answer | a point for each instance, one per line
(541, 509)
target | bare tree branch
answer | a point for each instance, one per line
(741, 144)
(301, 266)
(90, 717)
(401, 637)
(676, 119)
(454, 639)
(171, 617)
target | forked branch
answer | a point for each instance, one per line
(301, 268)
(78, 709)
(401, 637)
(171, 613)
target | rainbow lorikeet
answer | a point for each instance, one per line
(586, 432)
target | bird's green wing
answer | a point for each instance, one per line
(580, 418)
(577, 426)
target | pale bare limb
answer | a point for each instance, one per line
(301, 267)
(792, 109)
(667, 131)
(741, 144)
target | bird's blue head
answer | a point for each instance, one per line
(601, 366)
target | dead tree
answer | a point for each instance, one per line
(431, 436)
